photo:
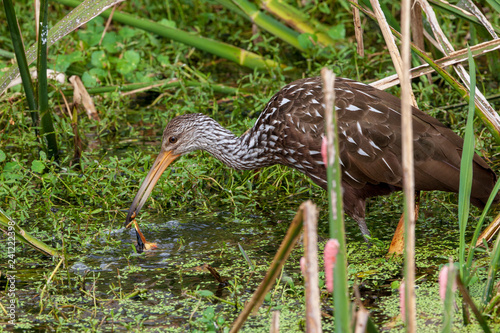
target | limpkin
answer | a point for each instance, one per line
(289, 131)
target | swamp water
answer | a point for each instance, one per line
(114, 289)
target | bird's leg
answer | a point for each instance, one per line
(363, 227)
(398, 242)
(355, 205)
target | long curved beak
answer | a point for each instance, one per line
(163, 160)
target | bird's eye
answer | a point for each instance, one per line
(172, 139)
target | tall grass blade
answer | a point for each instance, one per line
(407, 99)
(47, 132)
(466, 173)
(247, 259)
(459, 12)
(311, 281)
(12, 230)
(22, 62)
(297, 19)
(232, 6)
(162, 85)
(490, 120)
(492, 271)
(445, 46)
(269, 24)
(336, 216)
(495, 4)
(449, 298)
(469, 302)
(454, 58)
(393, 22)
(286, 247)
(220, 49)
(389, 39)
(480, 222)
(86, 11)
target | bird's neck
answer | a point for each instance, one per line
(241, 153)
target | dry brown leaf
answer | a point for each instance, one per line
(447, 48)
(390, 42)
(82, 97)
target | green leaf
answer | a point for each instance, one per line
(395, 284)
(37, 166)
(128, 63)
(168, 23)
(88, 80)
(98, 59)
(306, 40)
(337, 32)
(65, 60)
(110, 42)
(205, 293)
(209, 313)
(324, 8)
(96, 25)
(89, 38)
(143, 77)
(11, 167)
(163, 59)
(93, 32)
(2, 156)
(127, 33)
(98, 73)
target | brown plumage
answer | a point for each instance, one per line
(289, 131)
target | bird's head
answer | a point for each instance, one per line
(186, 133)
(182, 135)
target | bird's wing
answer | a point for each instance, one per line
(369, 129)
(377, 153)
(296, 113)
